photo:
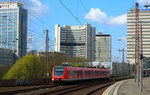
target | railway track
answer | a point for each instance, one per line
(23, 90)
(51, 91)
(68, 89)
(87, 88)
(81, 89)
(99, 90)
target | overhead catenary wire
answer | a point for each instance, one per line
(70, 12)
(39, 35)
(41, 20)
(77, 7)
(35, 33)
(85, 9)
(34, 24)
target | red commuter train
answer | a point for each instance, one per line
(67, 73)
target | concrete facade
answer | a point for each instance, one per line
(144, 15)
(103, 48)
(76, 41)
(13, 27)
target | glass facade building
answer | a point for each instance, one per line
(13, 27)
(76, 41)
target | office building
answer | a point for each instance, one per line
(144, 16)
(6, 56)
(13, 27)
(76, 41)
(103, 48)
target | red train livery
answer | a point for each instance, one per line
(66, 73)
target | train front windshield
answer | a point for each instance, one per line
(58, 71)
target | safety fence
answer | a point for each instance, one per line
(22, 82)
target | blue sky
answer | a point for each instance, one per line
(108, 16)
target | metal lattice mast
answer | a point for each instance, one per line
(137, 31)
(47, 48)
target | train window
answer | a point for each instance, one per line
(102, 73)
(78, 73)
(86, 73)
(70, 73)
(59, 71)
(97, 73)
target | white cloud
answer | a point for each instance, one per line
(37, 8)
(144, 1)
(95, 14)
(119, 20)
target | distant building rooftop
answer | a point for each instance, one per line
(11, 2)
(102, 34)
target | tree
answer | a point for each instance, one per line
(30, 66)
(3, 69)
(78, 61)
(55, 60)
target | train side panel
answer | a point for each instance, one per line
(67, 74)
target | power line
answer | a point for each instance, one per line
(41, 20)
(34, 24)
(29, 29)
(77, 7)
(20, 25)
(38, 25)
(70, 12)
(85, 9)
(36, 34)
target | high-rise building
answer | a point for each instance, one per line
(103, 48)
(76, 41)
(144, 16)
(13, 27)
(6, 57)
